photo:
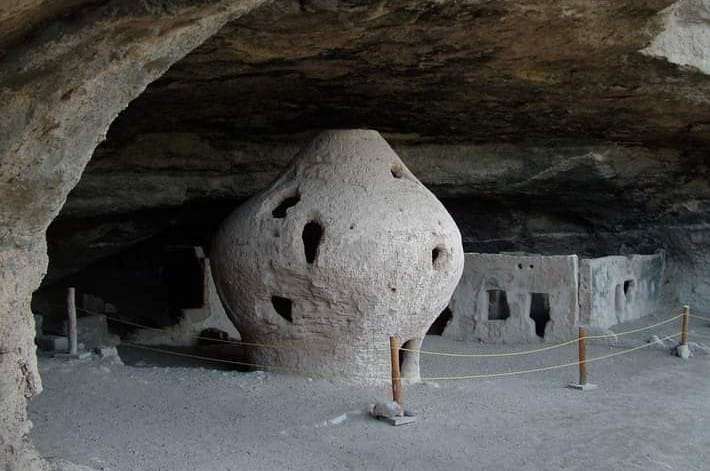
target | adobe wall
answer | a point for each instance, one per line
(519, 277)
(619, 288)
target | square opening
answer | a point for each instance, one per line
(498, 308)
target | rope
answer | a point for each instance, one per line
(592, 337)
(700, 317)
(199, 337)
(441, 378)
(542, 349)
(241, 363)
(292, 345)
(544, 368)
(200, 357)
(285, 345)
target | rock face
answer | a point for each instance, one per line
(344, 250)
(685, 38)
(59, 91)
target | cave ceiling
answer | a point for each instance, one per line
(462, 89)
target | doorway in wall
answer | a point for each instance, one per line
(498, 308)
(629, 290)
(540, 312)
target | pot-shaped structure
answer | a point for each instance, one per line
(344, 250)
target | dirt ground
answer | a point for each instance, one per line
(651, 412)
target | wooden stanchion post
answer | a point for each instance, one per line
(685, 320)
(385, 411)
(396, 376)
(683, 350)
(583, 385)
(71, 316)
(582, 348)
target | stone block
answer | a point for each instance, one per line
(396, 421)
(583, 387)
(683, 351)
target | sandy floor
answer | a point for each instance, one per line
(651, 412)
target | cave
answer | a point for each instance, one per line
(131, 132)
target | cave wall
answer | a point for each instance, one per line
(60, 89)
(557, 198)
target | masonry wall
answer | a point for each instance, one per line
(526, 281)
(619, 289)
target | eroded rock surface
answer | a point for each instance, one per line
(59, 91)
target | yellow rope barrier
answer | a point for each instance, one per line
(294, 344)
(291, 344)
(542, 349)
(544, 368)
(198, 337)
(633, 331)
(440, 378)
(200, 357)
(239, 363)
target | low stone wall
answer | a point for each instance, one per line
(619, 288)
(499, 293)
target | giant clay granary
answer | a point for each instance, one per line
(250, 234)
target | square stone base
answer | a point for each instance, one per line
(404, 420)
(583, 387)
(682, 351)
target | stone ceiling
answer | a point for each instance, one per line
(474, 71)
(514, 105)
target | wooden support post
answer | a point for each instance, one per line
(582, 344)
(396, 375)
(685, 320)
(583, 385)
(71, 315)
